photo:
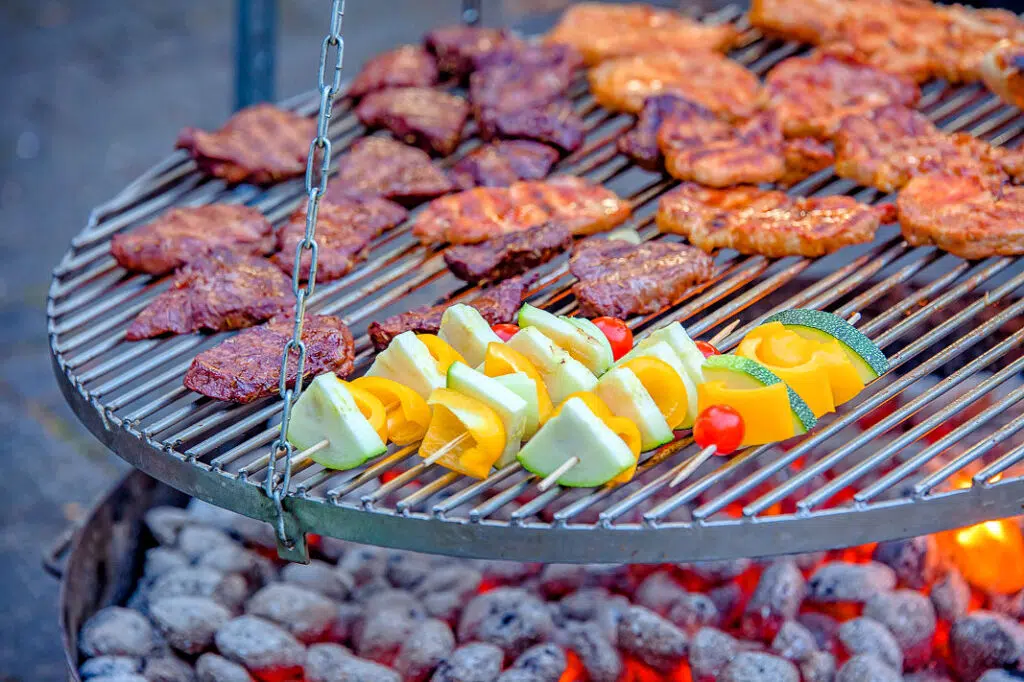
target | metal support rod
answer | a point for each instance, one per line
(255, 47)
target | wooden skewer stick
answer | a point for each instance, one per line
(853, 319)
(728, 329)
(553, 477)
(691, 466)
(445, 449)
(312, 450)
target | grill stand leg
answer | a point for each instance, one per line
(255, 40)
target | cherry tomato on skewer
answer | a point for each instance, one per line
(505, 330)
(618, 334)
(706, 348)
(721, 426)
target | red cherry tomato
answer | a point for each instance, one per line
(505, 331)
(618, 334)
(706, 348)
(721, 426)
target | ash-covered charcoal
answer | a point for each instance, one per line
(501, 163)
(228, 589)
(159, 560)
(406, 570)
(999, 675)
(333, 663)
(868, 636)
(117, 631)
(394, 599)
(370, 589)
(507, 572)
(753, 666)
(123, 677)
(1011, 605)
(655, 641)
(428, 119)
(839, 581)
(658, 592)
(476, 662)
(509, 618)
(233, 558)
(166, 522)
(188, 623)
(794, 641)
(867, 668)
(819, 666)
(558, 580)
(457, 579)
(446, 606)
(404, 66)
(777, 598)
(168, 669)
(693, 611)
(583, 605)
(540, 663)
(910, 617)
(710, 651)
(729, 599)
(928, 675)
(363, 563)
(983, 640)
(195, 541)
(914, 560)
(383, 632)
(306, 614)
(349, 616)
(951, 596)
(318, 576)
(825, 628)
(429, 643)
(214, 668)
(260, 646)
(718, 572)
(102, 666)
(600, 658)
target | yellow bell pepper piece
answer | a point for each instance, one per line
(407, 412)
(442, 352)
(500, 360)
(372, 408)
(623, 428)
(664, 385)
(479, 430)
(767, 417)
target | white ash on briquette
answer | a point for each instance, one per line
(215, 605)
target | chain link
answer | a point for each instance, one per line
(318, 166)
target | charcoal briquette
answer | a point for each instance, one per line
(233, 558)
(710, 651)
(318, 576)
(951, 596)
(983, 640)
(195, 541)
(475, 662)
(333, 663)
(840, 581)
(306, 614)
(509, 618)
(382, 633)
(658, 592)
(867, 636)
(655, 641)
(166, 522)
(819, 666)
(583, 605)
(717, 572)
(364, 563)
(910, 617)
(1000, 675)
(693, 611)
(461, 580)
(867, 668)
(794, 641)
(558, 580)
(160, 560)
(429, 643)
(915, 561)
(776, 599)
(168, 669)
(117, 631)
(349, 617)
(214, 668)
(600, 658)
(752, 666)
(408, 570)
(188, 623)
(824, 627)
(259, 644)
(110, 665)
(227, 589)
(541, 663)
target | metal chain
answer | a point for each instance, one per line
(317, 170)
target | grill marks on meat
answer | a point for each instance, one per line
(247, 367)
(497, 305)
(1002, 69)
(804, 156)
(379, 166)
(618, 278)
(707, 78)
(184, 234)
(260, 144)
(459, 49)
(641, 143)
(405, 66)
(485, 212)
(889, 146)
(508, 255)
(602, 31)
(218, 292)
(811, 95)
(422, 117)
(344, 231)
(965, 216)
(770, 223)
(499, 164)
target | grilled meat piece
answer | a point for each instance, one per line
(402, 67)
(217, 292)
(966, 216)
(459, 49)
(344, 230)
(707, 78)
(509, 254)
(478, 214)
(804, 156)
(422, 117)
(497, 304)
(555, 123)
(618, 278)
(1003, 71)
(260, 144)
(499, 164)
(770, 223)
(184, 234)
(811, 95)
(641, 143)
(379, 166)
(603, 31)
(247, 367)
(887, 147)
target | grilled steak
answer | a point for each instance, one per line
(602, 31)
(379, 166)
(555, 123)
(478, 214)
(459, 49)
(887, 147)
(217, 292)
(641, 143)
(344, 230)
(184, 234)
(405, 66)
(423, 117)
(770, 223)
(804, 156)
(618, 278)
(261, 144)
(499, 164)
(811, 95)
(247, 367)
(497, 304)
(707, 78)
(509, 254)
(967, 216)
(1003, 71)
